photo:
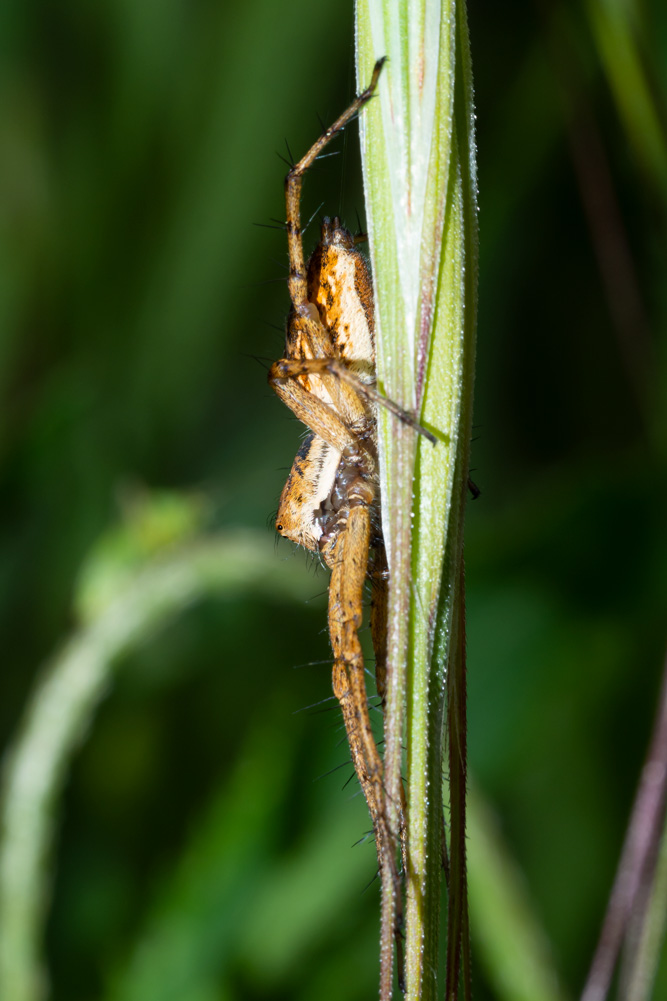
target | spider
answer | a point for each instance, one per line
(330, 502)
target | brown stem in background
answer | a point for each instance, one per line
(637, 865)
(601, 208)
(611, 248)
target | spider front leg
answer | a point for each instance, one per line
(298, 283)
(292, 368)
(309, 408)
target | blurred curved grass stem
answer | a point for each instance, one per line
(63, 705)
(419, 175)
(635, 917)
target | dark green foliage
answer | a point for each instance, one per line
(198, 858)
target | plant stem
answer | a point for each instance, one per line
(419, 176)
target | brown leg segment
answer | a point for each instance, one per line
(379, 595)
(291, 368)
(298, 286)
(349, 568)
(345, 611)
(310, 409)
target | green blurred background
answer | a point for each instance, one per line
(200, 855)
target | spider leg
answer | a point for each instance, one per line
(349, 569)
(379, 627)
(345, 616)
(308, 407)
(297, 281)
(293, 367)
(378, 574)
(379, 595)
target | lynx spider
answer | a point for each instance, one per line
(330, 501)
